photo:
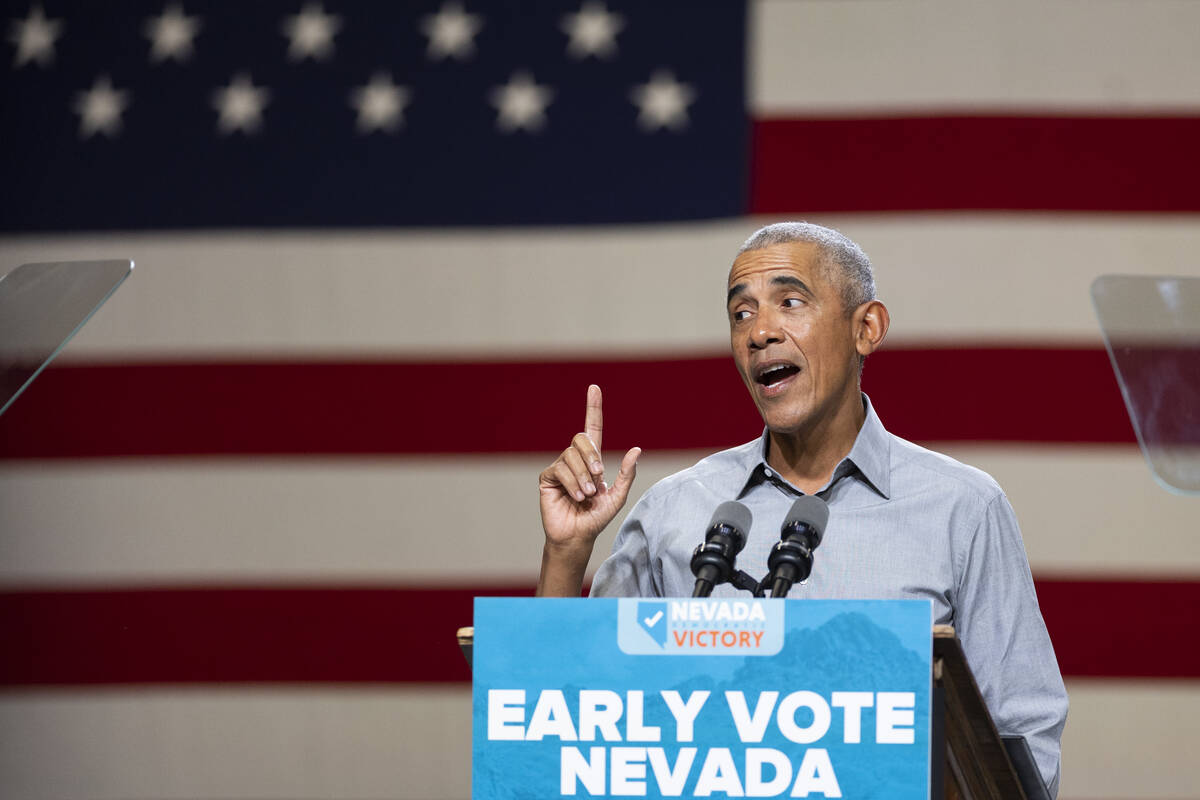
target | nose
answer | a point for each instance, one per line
(765, 331)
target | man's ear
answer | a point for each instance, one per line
(871, 322)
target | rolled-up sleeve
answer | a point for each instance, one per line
(1005, 639)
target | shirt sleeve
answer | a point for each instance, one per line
(627, 571)
(1005, 639)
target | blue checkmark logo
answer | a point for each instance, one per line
(652, 618)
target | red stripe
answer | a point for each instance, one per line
(1068, 163)
(980, 394)
(236, 635)
(1123, 628)
(406, 635)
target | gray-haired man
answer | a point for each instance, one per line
(904, 521)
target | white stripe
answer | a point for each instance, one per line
(230, 743)
(620, 290)
(879, 56)
(1091, 509)
(1131, 739)
(1123, 739)
(475, 520)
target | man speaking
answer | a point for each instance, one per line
(904, 522)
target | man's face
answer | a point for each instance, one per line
(793, 340)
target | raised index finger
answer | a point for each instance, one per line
(593, 423)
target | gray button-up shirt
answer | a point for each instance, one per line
(904, 522)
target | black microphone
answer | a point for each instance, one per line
(712, 562)
(791, 558)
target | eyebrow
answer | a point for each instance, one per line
(778, 280)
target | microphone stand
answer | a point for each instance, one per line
(740, 580)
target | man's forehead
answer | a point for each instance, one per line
(800, 258)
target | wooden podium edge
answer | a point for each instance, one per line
(466, 641)
(977, 763)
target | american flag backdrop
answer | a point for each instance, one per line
(382, 249)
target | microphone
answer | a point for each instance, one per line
(712, 561)
(791, 558)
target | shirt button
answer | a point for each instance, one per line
(768, 473)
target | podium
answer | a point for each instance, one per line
(975, 762)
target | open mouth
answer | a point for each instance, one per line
(774, 374)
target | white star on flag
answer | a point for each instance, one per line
(663, 102)
(593, 31)
(311, 33)
(34, 37)
(171, 34)
(240, 105)
(100, 108)
(380, 104)
(522, 103)
(451, 32)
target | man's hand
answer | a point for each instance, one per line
(577, 503)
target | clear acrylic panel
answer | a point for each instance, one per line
(41, 307)
(1151, 328)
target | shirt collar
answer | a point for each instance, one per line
(869, 458)
(872, 452)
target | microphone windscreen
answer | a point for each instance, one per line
(810, 511)
(733, 514)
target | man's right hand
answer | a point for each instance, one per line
(577, 504)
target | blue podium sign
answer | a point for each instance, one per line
(701, 698)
